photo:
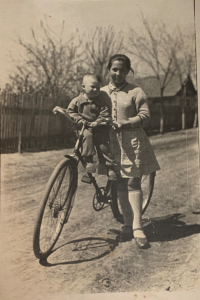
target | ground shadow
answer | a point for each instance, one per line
(83, 248)
(168, 228)
(196, 212)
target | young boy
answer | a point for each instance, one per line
(89, 107)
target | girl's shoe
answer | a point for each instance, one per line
(125, 235)
(141, 242)
(90, 168)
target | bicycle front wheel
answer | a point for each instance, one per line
(55, 208)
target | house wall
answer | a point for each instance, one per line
(191, 101)
(172, 113)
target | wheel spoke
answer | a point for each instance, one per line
(57, 204)
(99, 203)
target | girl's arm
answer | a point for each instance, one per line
(143, 113)
(142, 108)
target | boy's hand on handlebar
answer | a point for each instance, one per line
(89, 124)
(96, 124)
(93, 124)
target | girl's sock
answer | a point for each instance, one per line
(135, 199)
(126, 210)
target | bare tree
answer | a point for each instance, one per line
(50, 65)
(100, 45)
(156, 47)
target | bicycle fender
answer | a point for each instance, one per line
(72, 159)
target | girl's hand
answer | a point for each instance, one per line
(120, 126)
(117, 126)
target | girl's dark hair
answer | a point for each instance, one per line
(121, 57)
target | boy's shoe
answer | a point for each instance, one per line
(90, 168)
(112, 175)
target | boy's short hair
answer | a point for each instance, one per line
(93, 75)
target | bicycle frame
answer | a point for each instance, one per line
(76, 156)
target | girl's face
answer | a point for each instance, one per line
(118, 72)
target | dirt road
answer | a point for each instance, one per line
(86, 258)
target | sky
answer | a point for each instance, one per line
(17, 17)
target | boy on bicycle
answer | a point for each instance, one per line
(89, 108)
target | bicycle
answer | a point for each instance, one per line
(59, 195)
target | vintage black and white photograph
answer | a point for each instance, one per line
(100, 157)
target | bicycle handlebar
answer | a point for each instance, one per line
(63, 112)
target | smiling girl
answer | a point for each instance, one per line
(129, 144)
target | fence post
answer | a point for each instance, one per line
(20, 141)
(21, 102)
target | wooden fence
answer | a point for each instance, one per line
(27, 122)
(173, 118)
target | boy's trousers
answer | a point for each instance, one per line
(97, 138)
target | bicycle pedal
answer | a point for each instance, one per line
(86, 179)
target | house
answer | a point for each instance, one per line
(173, 97)
(173, 93)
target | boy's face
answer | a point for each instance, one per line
(91, 87)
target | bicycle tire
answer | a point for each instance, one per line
(114, 203)
(147, 185)
(56, 205)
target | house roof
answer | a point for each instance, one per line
(151, 87)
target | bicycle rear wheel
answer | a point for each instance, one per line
(55, 208)
(147, 185)
(114, 203)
